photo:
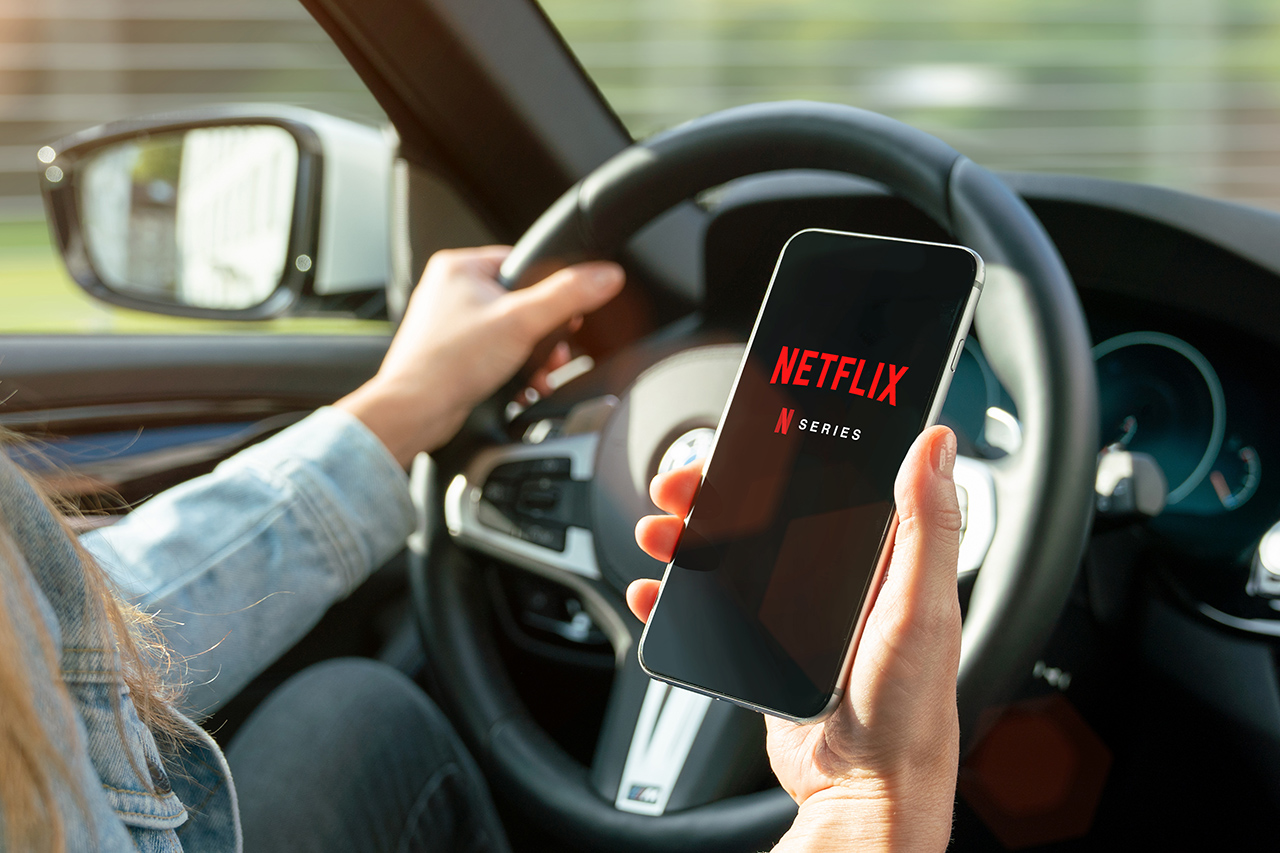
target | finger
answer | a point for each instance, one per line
(675, 490)
(557, 299)
(560, 356)
(485, 260)
(904, 673)
(918, 607)
(641, 596)
(657, 535)
(927, 546)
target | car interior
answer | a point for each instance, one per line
(1120, 561)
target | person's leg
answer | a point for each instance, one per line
(350, 755)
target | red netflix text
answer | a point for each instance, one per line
(826, 370)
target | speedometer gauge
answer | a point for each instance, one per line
(1160, 395)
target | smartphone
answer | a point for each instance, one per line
(781, 555)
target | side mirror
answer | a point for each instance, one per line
(237, 213)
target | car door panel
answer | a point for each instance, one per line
(115, 419)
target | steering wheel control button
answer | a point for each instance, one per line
(529, 505)
(538, 497)
(544, 535)
(554, 467)
(500, 493)
(557, 466)
(493, 517)
(534, 500)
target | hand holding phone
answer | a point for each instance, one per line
(768, 589)
(881, 770)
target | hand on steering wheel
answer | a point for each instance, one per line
(882, 769)
(463, 335)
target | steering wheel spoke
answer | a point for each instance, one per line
(663, 749)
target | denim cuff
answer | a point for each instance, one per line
(347, 479)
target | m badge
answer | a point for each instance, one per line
(644, 794)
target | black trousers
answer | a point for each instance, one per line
(350, 755)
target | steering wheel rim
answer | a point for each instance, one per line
(1035, 338)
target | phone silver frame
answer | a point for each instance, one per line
(884, 553)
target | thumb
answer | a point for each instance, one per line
(917, 612)
(928, 538)
(558, 298)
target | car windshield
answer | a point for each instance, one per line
(1181, 93)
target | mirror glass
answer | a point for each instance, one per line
(199, 217)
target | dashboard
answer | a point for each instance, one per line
(1182, 297)
(1159, 394)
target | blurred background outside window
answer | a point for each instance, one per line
(1181, 93)
(70, 64)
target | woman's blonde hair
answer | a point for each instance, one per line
(31, 765)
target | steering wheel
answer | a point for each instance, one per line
(664, 775)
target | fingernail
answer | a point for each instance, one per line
(947, 454)
(605, 275)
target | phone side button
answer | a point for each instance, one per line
(955, 360)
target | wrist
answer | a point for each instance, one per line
(404, 423)
(844, 819)
(830, 821)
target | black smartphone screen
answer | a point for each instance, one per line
(764, 592)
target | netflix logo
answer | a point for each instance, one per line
(784, 420)
(810, 367)
(786, 416)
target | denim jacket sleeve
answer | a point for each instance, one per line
(242, 562)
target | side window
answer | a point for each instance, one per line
(75, 65)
